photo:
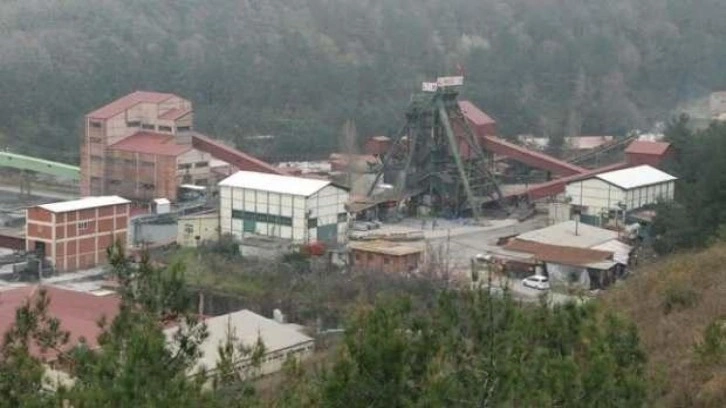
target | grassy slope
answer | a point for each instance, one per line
(695, 285)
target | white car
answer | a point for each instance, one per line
(536, 282)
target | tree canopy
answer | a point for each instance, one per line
(299, 70)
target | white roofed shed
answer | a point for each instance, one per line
(293, 208)
(622, 190)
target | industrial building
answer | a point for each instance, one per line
(385, 256)
(143, 146)
(646, 152)
(75, 234)
(281, 341)
(608, 196)
(291, 208)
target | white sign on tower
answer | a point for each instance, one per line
(429, 86)
(444, 82)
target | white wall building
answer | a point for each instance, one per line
(299, 209)
(607, 194)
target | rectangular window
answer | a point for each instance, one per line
(201, 164)
(96, 158)
(147, 186)
(147, 164)
(164, 128)
(95, 140)
(82, 225)
(238, 214)
(133, 123)
(148, 127)
(201, 182)
(342, 217)
(188, 229)
(95, 124)
(183, 128)
(115, 182)
(386, 260)
(312, 222)
(185, 166)
(128, 162)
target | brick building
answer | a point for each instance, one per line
(140, 147)
(75, 234)
(389, 257)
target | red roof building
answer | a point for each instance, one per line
(78, 312)
(142, 146)
(651, 153)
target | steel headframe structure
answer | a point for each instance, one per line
(425, 163)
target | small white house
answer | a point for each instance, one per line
(292, 208)
(611, 193)
(162, 205)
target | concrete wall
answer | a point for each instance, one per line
(328, 206)
(205, 226)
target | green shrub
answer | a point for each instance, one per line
(678, 298)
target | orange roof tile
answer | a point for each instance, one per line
(151, 143)
(126, 102)
(646, 147)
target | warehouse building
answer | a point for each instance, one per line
(281, 342)
(75, 234)
(610, 195)
(292, 208)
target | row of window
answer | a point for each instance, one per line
(259, 217)
(112, 161)
(147, 126)
(278, 219)
(197, 165)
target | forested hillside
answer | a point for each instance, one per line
(298, 69)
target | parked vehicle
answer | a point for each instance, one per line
(538, 282)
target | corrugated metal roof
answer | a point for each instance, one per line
(648, 147)
(620, 250)
(385, 248)
(84, 204)
(587, 142)
(563, 234)
(151, 143)
(475, 115)
(126, 102)
(635, 177)
(274, 183)
(78, 313)
(559, 254)
(245, 327)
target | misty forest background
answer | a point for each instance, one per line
(298, 69)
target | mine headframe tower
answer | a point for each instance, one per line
(436, 160)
